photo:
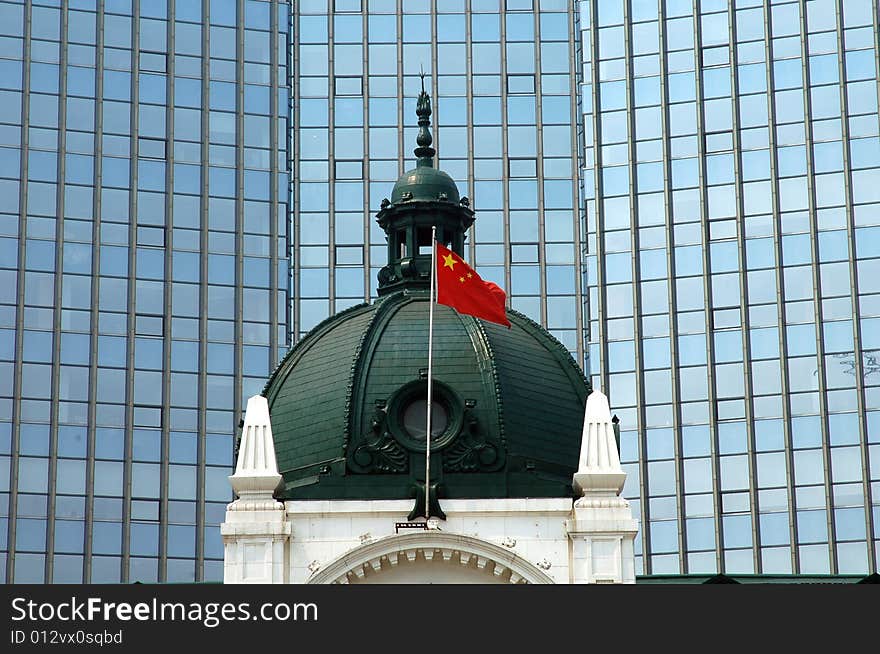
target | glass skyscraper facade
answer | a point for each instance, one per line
(732, 204)
(501, 76)
(143, 275)
(685, 193)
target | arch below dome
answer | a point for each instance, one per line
(430, 557)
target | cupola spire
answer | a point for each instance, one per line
(424, 152)
(423, 198)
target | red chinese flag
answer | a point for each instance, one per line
(461, 288)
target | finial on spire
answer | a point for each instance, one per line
(599, 469)
(424, 152)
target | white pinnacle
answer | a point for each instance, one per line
(256, 470)
(599, 468)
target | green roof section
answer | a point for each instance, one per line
(348, 402)
(426, 184)
(308, 392)
(513, 399)
(546, 374)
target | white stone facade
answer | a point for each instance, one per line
(524, 540)
(528, 540)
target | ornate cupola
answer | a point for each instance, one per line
(348, 401)
(332, 472)
(422, 197)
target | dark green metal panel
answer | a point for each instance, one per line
(424, 183)
(307, 394)
(514, 398)
(401, 351)
(518, 388)
(542, 390)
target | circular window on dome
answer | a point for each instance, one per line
(415, 418)
(408, 415)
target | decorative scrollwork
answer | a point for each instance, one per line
(472, 451)
(378, 452)
(386, 275)
(384, 455)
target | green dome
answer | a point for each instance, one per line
(347, 406)
(426, 184)
(348, 402)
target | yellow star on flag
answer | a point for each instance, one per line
(461, 279)
(449, 262)
(470, 275)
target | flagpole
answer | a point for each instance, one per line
(430, 377)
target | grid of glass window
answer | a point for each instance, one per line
(731, 183)
(143, 275)
(500, 75)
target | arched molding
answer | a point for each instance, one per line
(402, 549)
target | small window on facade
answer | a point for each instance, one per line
(348, 6)
(349, 85)
(522, 167)
(520, 83)
(349, 169)
(151, 148)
